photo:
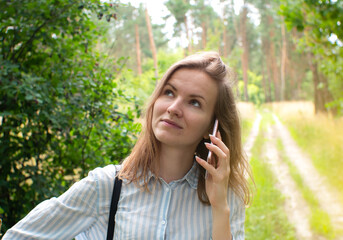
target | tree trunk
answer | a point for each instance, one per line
(224, 42)
(138, 51)
(283, 61)
(245, 54)
(203, 35)
(265, 50)
(322, 94)
(188, 37)
(272, 59)
(224, 32)
(152, 43)
(265, 83)
(297, 73)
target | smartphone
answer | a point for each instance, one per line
(214, 133)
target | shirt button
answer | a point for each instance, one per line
(167, 189)
(163, 222)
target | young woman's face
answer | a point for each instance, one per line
(183, 112)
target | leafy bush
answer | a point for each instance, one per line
(59, 112)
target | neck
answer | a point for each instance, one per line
(175, 163)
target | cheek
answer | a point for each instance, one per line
(158, 108)
(200, 127)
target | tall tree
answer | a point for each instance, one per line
(269, 44)
(283, 61)
(122, 36)
(245, 47)
(152, 43)
(229, 37)
(138, 51)
(320, 22)
(179, 9)
(272, 57)
(321, 94)
(203, 15)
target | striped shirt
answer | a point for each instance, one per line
(169, 211)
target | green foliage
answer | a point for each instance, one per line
(178, 8)
(320, 22)
(58, 104)
(141, 86)
(255, 89)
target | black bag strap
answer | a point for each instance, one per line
(113, 209)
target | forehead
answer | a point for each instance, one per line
(195, 81)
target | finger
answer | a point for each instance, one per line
(222, 159)
(208, 167)
(216, 150)
(218, 135)
(217, 141)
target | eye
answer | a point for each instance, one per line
(195, 103)
(168, 92)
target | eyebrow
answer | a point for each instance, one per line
(192, 95)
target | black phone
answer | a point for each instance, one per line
(214, 133)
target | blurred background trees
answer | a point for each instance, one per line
(74, 75)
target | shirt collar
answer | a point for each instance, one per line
(191, 176)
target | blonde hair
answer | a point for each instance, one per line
(140, 162)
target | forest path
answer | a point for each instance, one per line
(249, 143)
(295, 206)
(325, 194)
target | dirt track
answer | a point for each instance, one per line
(296, 207)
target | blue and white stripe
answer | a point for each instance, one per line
(169, 211)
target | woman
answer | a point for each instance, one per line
(165, 194)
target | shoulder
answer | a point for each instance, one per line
(106, 173)
(104, 179)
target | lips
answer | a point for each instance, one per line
(171, 123)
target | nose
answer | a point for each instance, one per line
(175, 108)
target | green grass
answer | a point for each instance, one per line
(322, 139)
(320, 221)
(265, 218)
(246, 128)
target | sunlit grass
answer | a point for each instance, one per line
(321, 137)
(247, 114)
(246, 110)
(320, 221)
(291, 108)
(265, 218)
(246, 128)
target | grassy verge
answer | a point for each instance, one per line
(247, 113)
(265, 218)
(320, 221)
(322, 139)
(246, 128)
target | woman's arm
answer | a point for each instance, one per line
(217, 188)
(221, 223)
(60, 218)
